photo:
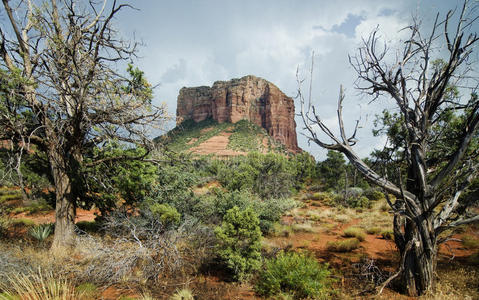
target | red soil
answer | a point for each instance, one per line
(49, 217)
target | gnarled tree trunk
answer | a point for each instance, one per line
(418, 247)
(64, 238)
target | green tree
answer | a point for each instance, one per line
(108, 182)
(239, 242)
(67, 54)
(332, 170)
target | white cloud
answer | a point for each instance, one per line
(191, 43)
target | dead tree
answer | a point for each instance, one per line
(68, 55)
(429, 198)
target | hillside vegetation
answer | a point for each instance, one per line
(241, 137)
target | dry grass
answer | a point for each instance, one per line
(314, 215)
(342, 218)
(470, 242)
(387, 234)
(355, 232)
(304, 227)
(343, 246)
(38, 286)
(183, 294)
(456, 283)
(280, 230)
(374, 230)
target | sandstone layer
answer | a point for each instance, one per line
(250, 98)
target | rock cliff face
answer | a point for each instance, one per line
(250, 98)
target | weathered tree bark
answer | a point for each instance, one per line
(64, 237)
(420, 261)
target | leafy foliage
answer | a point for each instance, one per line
(213, 207)
(331, 170)
(130, 180)
(239, 238)
(267, 175)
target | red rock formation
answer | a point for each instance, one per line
(250, 98)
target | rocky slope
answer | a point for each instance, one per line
(248, 98)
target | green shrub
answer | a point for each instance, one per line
(343, 246)
(374, 195)
(355, 232)
(473, 259)
(166, 213)
(387, 234)
(357, 202)
(88, 226)
(323, 196)
(239, 242)
(296, 274)
(267, 175)
(212, 207)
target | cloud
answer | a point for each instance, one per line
(175, 72)
(192, 43)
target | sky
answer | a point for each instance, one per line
(194, 43)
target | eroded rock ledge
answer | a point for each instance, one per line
(250, 98)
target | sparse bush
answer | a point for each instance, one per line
(343, 246)
(354, 192)
(355, 232)
(139, 248)
(13, 262)
(239, 242)
(342, 218)
(296, 274)
(384, 207)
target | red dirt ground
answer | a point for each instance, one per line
(49, 217)
(373, 247)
